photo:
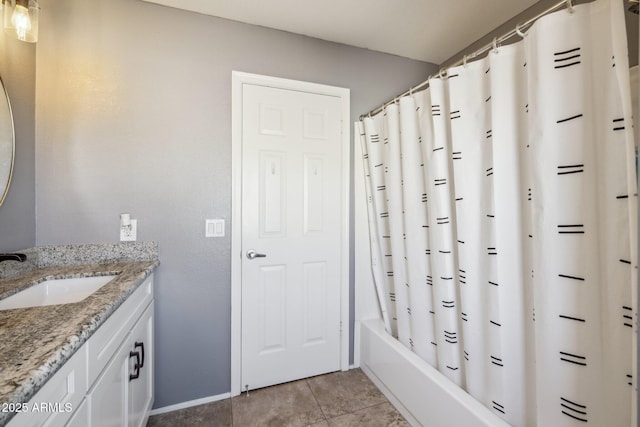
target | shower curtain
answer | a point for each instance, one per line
(502, 213)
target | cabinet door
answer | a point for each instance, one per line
(80, 417)
(52, 405)
(108, 397)
(141, 388)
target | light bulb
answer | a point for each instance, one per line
(21, 21)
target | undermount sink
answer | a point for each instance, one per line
(55, 291)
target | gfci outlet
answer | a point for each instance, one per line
(129, 233)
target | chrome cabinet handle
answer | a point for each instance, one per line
(251, 254)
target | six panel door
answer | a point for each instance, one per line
(291, 213)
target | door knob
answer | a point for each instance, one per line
(251, 254)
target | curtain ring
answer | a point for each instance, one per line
(442, 74)
(519, 31)
(410, 91)
(570, 6)
(464, 61)
(495, 44)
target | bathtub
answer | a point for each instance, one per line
(421, 394)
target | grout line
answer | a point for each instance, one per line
(324, 415)
(316, 399)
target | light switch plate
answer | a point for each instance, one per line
(214, 228)
(129, 235)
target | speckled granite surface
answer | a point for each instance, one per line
(14, 268)
(35, 342)
(97, 253)
(94, 253)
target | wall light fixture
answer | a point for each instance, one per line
(21, 19)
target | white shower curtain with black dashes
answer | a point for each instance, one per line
(502, 212)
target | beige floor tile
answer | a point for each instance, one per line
(348, 398)
(343, 392)
(290, 405)
(215, 414)
(382, 415)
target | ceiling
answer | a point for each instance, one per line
(428, 30)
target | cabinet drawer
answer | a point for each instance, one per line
(62, 394)
(108, 338)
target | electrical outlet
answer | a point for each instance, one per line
(129, 233)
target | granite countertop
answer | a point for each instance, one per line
(35, 342)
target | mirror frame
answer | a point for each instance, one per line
(5, 191)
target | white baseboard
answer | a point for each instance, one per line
(189, 404)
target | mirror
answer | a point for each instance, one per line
(7, 144)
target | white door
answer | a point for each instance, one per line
(292, 213)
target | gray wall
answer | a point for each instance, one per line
(17, 213)
(133, 105)
(134, 115)
(630, 18)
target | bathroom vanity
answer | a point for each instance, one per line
(85, 363)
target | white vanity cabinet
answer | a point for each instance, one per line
(123, 394)
(140, 386)
(55, 401)
(108, 382)
(80, 417)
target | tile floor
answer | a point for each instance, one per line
(340, 399)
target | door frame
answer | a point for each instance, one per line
(238, 79)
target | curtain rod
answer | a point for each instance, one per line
(494, 44)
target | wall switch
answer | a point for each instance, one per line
(214, 228)
(129, 233)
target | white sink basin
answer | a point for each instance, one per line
(55, 291)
